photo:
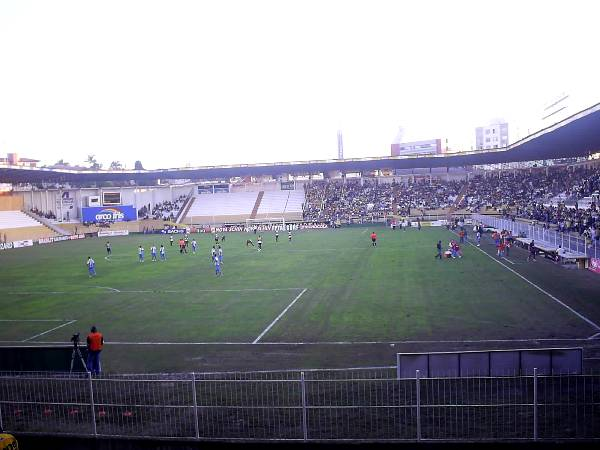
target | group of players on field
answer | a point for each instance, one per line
(216, 251)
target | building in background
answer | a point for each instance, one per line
(491, 136)
(13, 159)
(429, 147)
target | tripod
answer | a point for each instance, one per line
(77, 352)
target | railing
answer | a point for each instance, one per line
(573, 244)
(358, 404)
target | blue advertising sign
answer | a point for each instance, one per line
(108, 213)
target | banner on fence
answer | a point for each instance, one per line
(6, 245)
(171, 231)
(106, 233)
(23, 243)
(50, 240)
(108, 214)
(595, 265)
(271, 227)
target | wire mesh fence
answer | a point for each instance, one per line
(352, 404)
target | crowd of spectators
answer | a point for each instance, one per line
(335, 200)
(166, 210)
(39, 213)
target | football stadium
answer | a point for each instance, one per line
(424, 296)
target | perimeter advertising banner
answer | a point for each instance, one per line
(108, 213)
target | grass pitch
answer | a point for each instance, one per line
(327, 298)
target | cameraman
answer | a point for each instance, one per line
(95, 342)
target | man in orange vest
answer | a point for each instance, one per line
(374, 239)
(95, 342)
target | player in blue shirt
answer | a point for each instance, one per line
(218, 267)
(220, 254)
(194, 245)
(153, 252)
(91, 266)
(141, 253)
(163, 255)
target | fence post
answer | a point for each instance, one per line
(92, 404)
(304, 421)
(418, 388)
(195, 398)
(398, 366)
(535, 404)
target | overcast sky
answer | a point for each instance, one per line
(173, 83)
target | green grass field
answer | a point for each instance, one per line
(352, 300)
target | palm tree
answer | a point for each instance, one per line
(116, 165)
(91, 160)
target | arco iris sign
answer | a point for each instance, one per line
(108, 213)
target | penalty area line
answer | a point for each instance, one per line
(266, 330)
(50, 330)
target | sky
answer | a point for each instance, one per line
(178, 83)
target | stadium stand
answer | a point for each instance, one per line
(286, 204)
(220, 208)
(16, 225)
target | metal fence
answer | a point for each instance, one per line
(358, 404)
(567, 241)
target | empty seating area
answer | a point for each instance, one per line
(225, 207)
(273, 204)
(16, 219)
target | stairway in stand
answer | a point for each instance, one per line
(257, 204)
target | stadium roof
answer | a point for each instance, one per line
(578, 135)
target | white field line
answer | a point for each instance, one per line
(266, 330)
(109, 288)
(33, 320)
(505, 259)
(479, 341)
(158, 291)
(48, 331)
(581, 316)
(595, 336)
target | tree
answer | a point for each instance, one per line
(138, 165)
(61, 162)
(115, 165)
(93, 163)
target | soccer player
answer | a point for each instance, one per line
(213, 253)
(141, 253)
(276, 236)
(249, 242)
(289, 236)
(194, 245)
(419, 224)
(478, 236)
(108, 249)
(374, 239)
(222, 239)
(186, 241)
(91, 264)
(439, 250)
(259, 242)
(532, 251)
(220, 254)
(153, 252)
(218, 271)
(163, 256)
(171, 240)
(216, 238)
